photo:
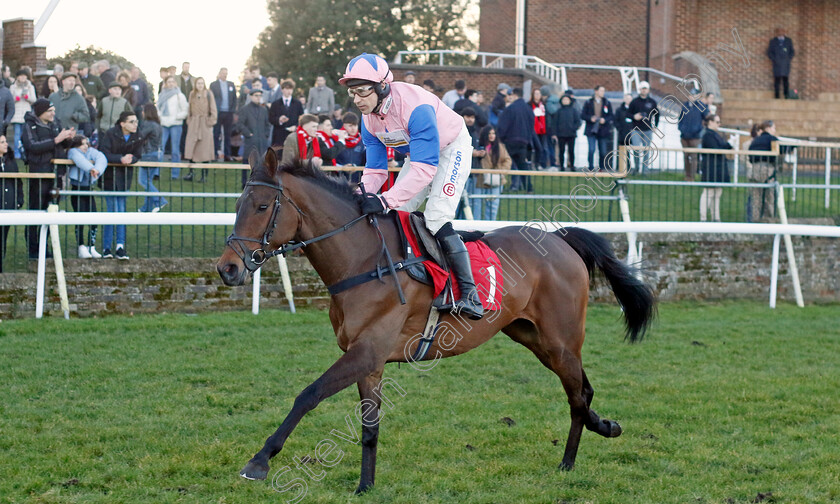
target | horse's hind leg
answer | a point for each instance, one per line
(604, 427)
(371, 400)
(559, 351)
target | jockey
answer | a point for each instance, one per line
(415, 122)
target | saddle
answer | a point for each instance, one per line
(417, 241)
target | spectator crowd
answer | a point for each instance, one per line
(99, 114)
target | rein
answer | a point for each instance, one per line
(258, 257)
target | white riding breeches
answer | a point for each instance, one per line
(444, 192)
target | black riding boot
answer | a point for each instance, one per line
(459, 261)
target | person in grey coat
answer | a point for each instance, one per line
(254, 126)
(7, 108)
(321, 99)
(70, 108)
(780, 52)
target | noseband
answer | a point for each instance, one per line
(258, 257)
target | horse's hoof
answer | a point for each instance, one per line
(614, 428)
(362, 489)
(565, 466)
(254, 471)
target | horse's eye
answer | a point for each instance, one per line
(263, 208)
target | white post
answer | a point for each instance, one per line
(42, 273)
(827, 175)
(632, 256)
(45, 16)
(737, 158)
(774, 272)
(794, 271)
(519, 39)
(465, 197)
(795, 170)
(255, 294)
(59, 264)
(287, 282)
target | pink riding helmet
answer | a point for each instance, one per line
(367, 67)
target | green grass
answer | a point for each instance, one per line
(721, 402)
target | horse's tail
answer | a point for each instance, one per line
(635, 297)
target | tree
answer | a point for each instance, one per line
(438, 24)
(89, 55)
(318, 37)
(92, 54)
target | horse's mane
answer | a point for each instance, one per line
(335, 185)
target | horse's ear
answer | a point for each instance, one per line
(270, 162)
(253, 159)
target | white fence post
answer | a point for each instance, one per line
(795, 170)
(42, 273)
(774, 271)
(794, 271)
(827, 175)
(255, 293)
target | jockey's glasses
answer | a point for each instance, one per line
(360, 91)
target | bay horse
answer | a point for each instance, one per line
(543, 308)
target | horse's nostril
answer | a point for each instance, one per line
(230, 269)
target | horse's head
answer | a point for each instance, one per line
(265, 219)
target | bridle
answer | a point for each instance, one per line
(259, 256)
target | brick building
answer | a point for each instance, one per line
(733, 34)
(650, 33)
(19, 48)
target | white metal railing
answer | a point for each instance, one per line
(44, 219)
(549, 71)
(555, 72)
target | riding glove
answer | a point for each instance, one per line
(373, 204)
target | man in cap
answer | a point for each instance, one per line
(407, 119)
(93, 84)
(70, 108)
(254, 126)
(497, 106)
(644, 113)
(44, 140)
(111, 107)
(410, 77)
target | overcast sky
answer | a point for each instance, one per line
(153, 33)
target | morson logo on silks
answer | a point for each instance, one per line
(454, 176)
(449, 188)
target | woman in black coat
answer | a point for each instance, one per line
(11, 191)
(713, 168)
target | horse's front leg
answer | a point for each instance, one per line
(360, 361)
(371, 401)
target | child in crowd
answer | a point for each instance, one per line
(88, 165)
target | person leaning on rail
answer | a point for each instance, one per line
(762, 206)
(11, 190)
(122, 145)
(88, 165)
(43, 140)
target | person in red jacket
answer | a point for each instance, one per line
(538, 107)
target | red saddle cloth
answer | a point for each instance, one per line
(485, 264)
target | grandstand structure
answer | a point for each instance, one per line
(722, 41)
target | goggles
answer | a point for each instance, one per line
(360, 91)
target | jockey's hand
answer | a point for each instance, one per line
(373, 204)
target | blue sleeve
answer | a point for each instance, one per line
(377, 155)
(425, 140)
